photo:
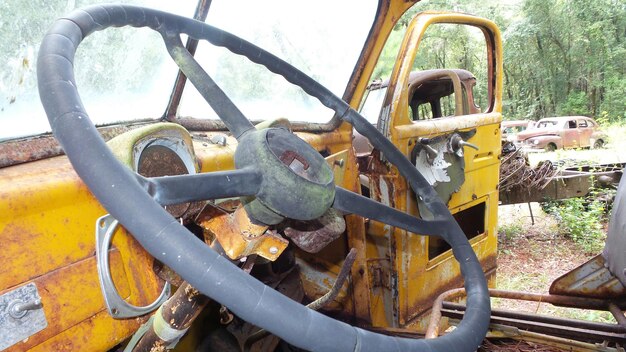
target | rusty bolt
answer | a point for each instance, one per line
(225, 316)
(339, 162)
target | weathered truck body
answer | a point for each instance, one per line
(210, 233)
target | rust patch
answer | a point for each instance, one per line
(418, 308)
(70, 296)
(191, 292)
(179, 311)
(156, 161)
(28, 149)
(238, 235)
(312, 236)
(16, 257)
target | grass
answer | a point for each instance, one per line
(531, 257)
(582, 220)
(510, 231)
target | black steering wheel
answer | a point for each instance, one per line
(271, 164)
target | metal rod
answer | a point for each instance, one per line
(574, 323)
(567, 301)
(341, 278)
(175, 317)
(202, 10)
(435, 316)
(525, 321)
(617, 313)
(318, 303)
(559, 342)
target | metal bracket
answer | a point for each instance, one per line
(21, 315)
(118, 308)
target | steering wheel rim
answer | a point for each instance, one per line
(131, 198)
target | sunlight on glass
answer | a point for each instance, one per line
(122, 74)
(321, 38)
(126, 74)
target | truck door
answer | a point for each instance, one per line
(446, 120)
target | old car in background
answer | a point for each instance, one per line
(553, 133)
(511, 128)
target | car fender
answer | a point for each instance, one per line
(544, 141)
(598, 135)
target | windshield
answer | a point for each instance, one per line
(373, 104)
(122, 74)
(126, 74)
(321, 38)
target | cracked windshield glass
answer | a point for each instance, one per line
(126, 74)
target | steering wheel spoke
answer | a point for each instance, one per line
(233, 118)
(168, 190)
(352, 203)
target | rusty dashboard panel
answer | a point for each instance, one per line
(48, 219)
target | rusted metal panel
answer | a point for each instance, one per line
(240, 236)
(591, 279)
(40, 205)
(568, 183)
(355, 229)
(47, 224)
(95, 334)
(24, 150)
(449, 280)
(312, 236)
(71, 295)
(21, 151)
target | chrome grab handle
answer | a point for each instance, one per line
(118, 308)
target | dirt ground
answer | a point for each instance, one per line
(531, 256)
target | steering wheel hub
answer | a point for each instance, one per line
(291, 165)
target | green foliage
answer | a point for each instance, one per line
(604, 119)
(577, 103)
(443, 46)
(581, 220)
(510, 231)
(566, 57)
(560, 57)
(99, 66)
